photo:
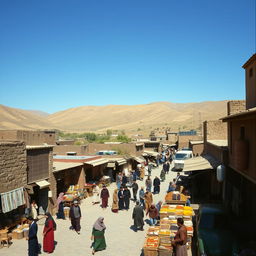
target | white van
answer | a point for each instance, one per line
(179, 159)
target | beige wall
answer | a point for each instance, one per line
(235, 106)
(184, 140)
(63, 149)
(13, 165)
(197, 149)
(29, 137)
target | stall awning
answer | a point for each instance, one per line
(59, 166)
(121, 161)
(139, 159)
(111, 165)
(200, 163)
(43, 184)
(151, 153)
(139, 144)
(97, 162)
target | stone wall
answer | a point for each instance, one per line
(235, 106)
(215, 130)
(13, 165)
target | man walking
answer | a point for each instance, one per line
(138, 216)
(121, 198)
(127, 196)
(33, 246)
(156, 184)
(75, 216)
(135, 189)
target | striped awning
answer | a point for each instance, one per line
(139, 159)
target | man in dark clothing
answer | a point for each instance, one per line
(135, 188)
(33, 246)
(127, 196)
(75, 216)
(138, 215)
(156, 184)
(121, 198)
(167, 167)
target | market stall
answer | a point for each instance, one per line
(159, 238)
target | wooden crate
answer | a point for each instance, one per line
(150, 252)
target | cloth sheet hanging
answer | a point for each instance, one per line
(12, 200)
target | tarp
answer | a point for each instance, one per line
(12, 200)
(200, 163)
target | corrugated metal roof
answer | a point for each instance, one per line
(59, 166)
(97, 162)
(151, 153)
(139, 159)
(200, 163)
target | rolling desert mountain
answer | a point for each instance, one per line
(13, 118)
(138, 117)
(116, 117)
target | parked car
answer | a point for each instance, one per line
(179, 158)
(106, 152)
(215, 236)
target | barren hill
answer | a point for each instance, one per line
(142, 117)
(116, 117)
(13, 118)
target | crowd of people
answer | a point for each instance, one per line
(143, 198)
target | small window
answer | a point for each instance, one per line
(250, 72)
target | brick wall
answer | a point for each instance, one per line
(235, 106)
(13, 165)
(215, 130)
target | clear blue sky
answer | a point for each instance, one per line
(58, 54)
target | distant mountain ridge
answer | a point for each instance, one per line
(115, 117)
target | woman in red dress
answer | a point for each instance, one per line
(48, 234)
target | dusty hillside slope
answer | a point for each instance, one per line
(96, 118)
(116, 117)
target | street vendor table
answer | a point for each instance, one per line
(88, 188)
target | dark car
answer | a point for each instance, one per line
(215, 236)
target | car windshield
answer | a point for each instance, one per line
(180, 156)
(212, 221)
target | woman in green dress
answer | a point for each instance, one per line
(98, 237)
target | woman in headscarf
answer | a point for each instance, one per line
(115, 201)
(98, 230)
(48, 233)
(60, 207)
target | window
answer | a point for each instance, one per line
(38, 164)
(250, 72)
